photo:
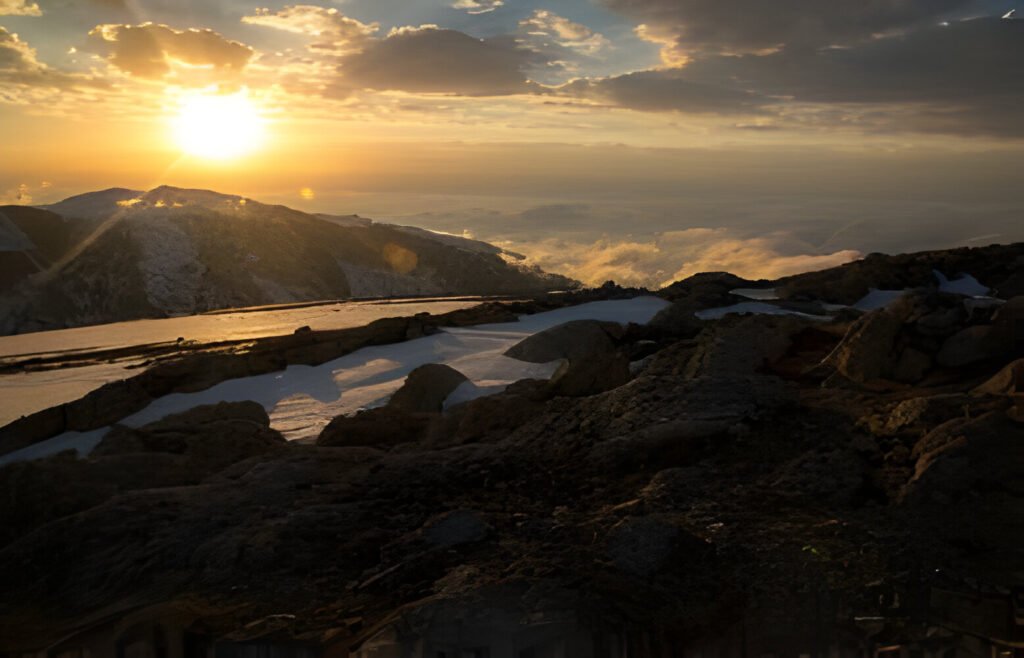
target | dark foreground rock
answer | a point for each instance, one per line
(721, 501)
(592, 362)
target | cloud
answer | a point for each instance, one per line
(148, 50)
(666, 90)
(333, 32)
(429, 59)
(675, 255)
(20, 66)
(20, 195)
(19, 8)
(477, 6)
(543, 28)
(961, 77)
(747, 26)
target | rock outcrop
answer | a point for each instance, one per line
(720, 501)
(592, 363)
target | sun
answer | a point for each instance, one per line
(218, 126)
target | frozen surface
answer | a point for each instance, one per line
(80, 442)
(301, 400)
(756, 308)
(966, 285)
(877, 299)
(234, 325)
(28, 392)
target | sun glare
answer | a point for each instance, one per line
(218, 127)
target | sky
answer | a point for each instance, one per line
(635, 140)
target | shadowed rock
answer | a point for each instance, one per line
(593, 363)
(426, 388)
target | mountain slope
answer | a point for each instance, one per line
(119, 255)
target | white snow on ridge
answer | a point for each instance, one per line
(301, 400)
(966, 285)
(877, 299)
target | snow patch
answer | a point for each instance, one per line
(877, 299)
(302, 400)
(81, 442)
(966, 285)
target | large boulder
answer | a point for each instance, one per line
(695, 293)
(180, 450)
(1003, 338)
(426, 388)
(642, 546)
(592, 361)
(968, 485)
(1008, 381)
(866, 352)
(383, 427)
(406, 417)
(207, 438)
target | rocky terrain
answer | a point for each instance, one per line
(124, 254)
(812, 479)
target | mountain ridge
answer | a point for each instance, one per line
(126, 254)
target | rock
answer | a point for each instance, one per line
(695, 293)
(592, 362)
(679, 319)
(837, 476)
(942, 321)
(706, 289)
(1004, 338)
(384, 427)
(912, 366)
(971, 345)
(426, 388)
(180, 450)
(208, 437)
(1008, 381)
(968, 484)
(492, 417)
(455, 528)
(865, 353)
(641, 546)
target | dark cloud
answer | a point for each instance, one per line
(667, 90)
(146, 50)
(750, 25)
(959, 62)
(433, 60)
(962, 77)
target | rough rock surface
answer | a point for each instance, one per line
(721, 500)
(426, 388)
(592, 361)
